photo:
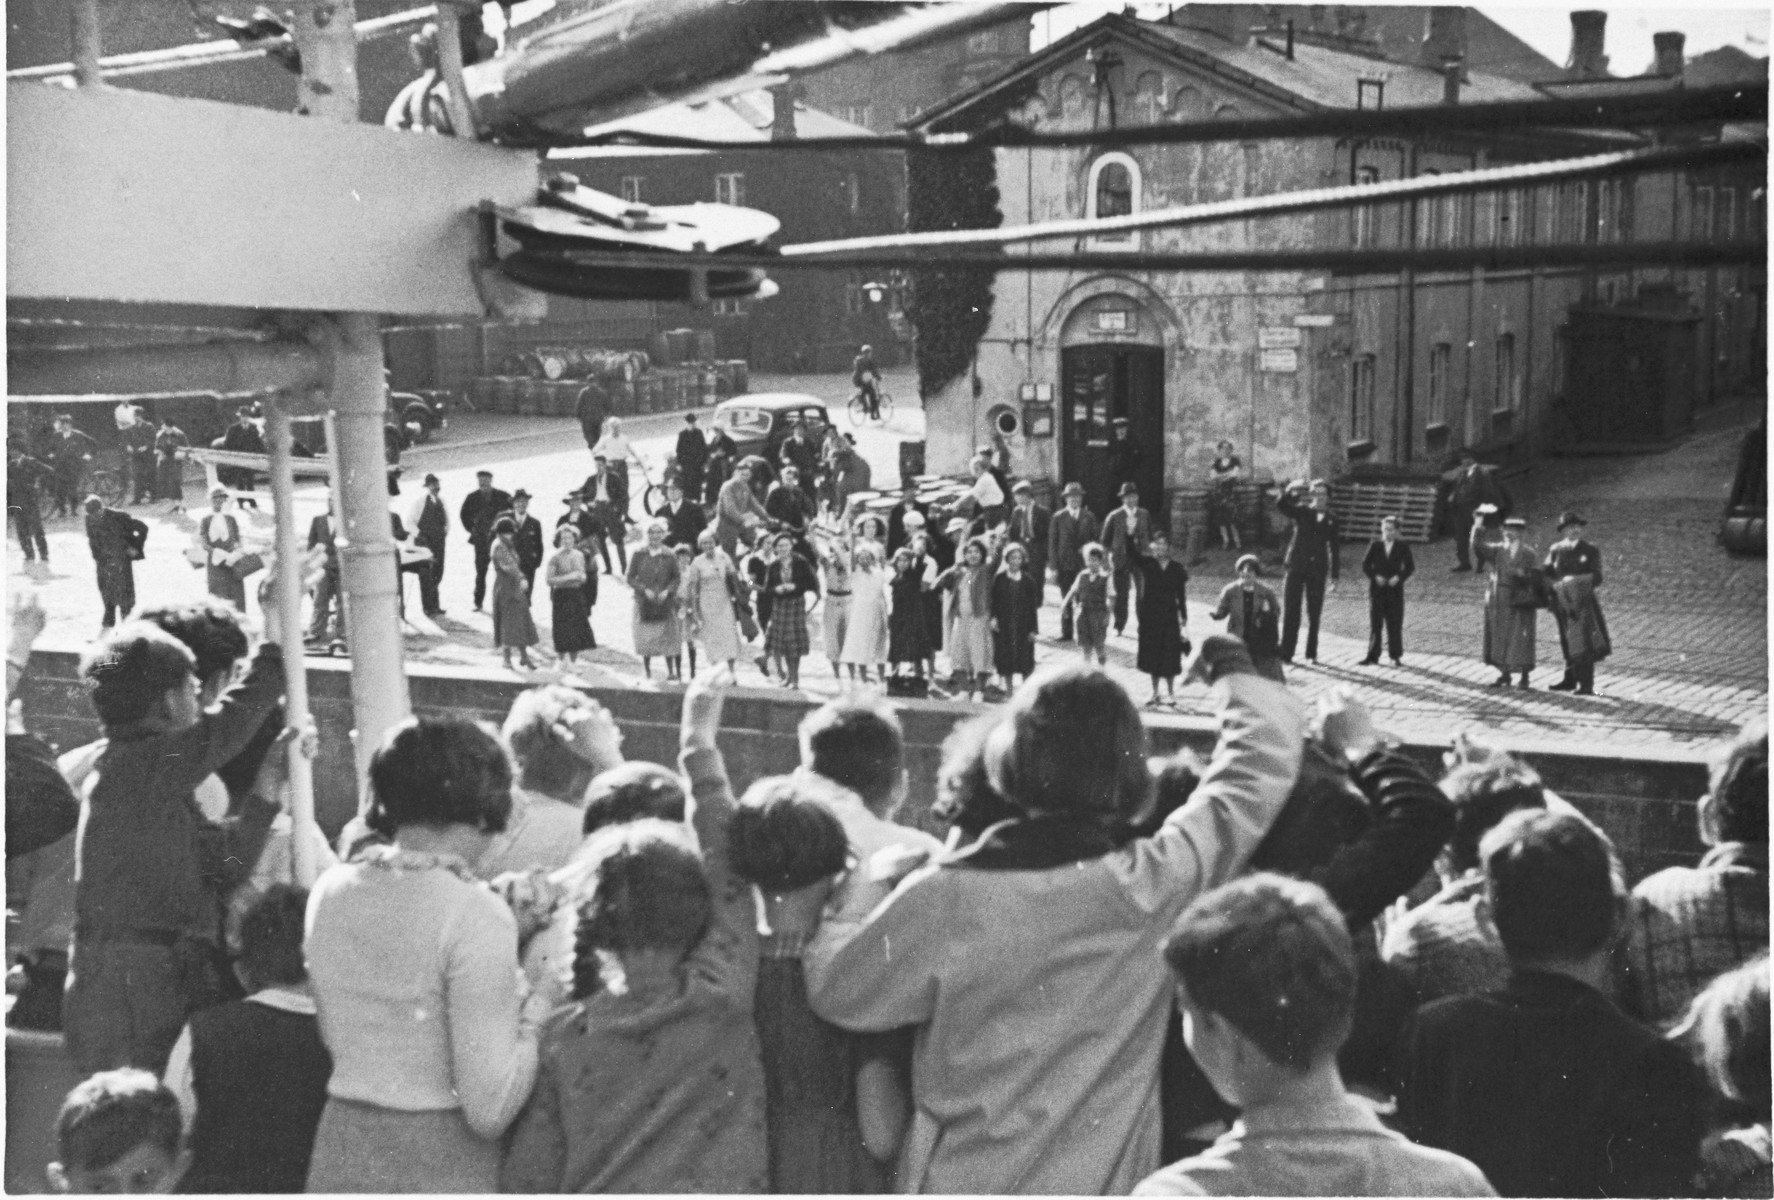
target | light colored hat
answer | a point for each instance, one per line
(914, 520)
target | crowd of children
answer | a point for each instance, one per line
(1295, 967)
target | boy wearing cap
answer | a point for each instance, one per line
(1512, 598)
(1127, 531)
(431, 523)
(479, 508)
(1574, 569)
(1072, 528)
(1313, 555)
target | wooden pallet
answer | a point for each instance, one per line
(1359, 507)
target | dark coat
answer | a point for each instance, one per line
(1124, 538)
(1164, 613)
(1068, 535)
(434, 520)
(115, 537)
(792, 506)
(896, 523)
(692, 456)
(478, 510)
(1316, 545)
(23, 474)
(1034, 538)
(1376, 564)
(65, 454)
(321, 533)
(798, 450)
(1016, 605)
(591, 410)
(528, 543)
(684, 524)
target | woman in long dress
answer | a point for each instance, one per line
(1511, 602)
(1016, 598)
(969, 584)
(709, 589)
(788, 581)
(865, 640)
(567, 572)
(219, 535)
(1164, 614)
(653, 574)
(513, 629)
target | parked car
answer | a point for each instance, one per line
(760, 422)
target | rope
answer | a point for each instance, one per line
(1644, 111)
(1620, 163)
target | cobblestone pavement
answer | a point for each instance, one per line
(1689, 622)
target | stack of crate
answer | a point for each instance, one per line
(1359, 507)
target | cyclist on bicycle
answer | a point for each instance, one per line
(867, 378)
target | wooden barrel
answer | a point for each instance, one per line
(480, 393)
(1188, 510)
(705, 345)
(505, 393)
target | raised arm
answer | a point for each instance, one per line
(223, 731)
(726, 960)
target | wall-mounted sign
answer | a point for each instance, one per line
(1279, 337)
(1114, 320)
(1038, 418)
(1315, 320)
(1278, 360)
(1033, 392)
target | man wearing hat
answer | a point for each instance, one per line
(684, 521)
(70, 455)
(431, 525)
(1031, 525)
(479, 509)
(1073, 527)
(1314, 554)
(692, 458)
(116, 540)
(1574, 570)
(1512, 600)
(1127, 532)
(528, 539)
(243, 437)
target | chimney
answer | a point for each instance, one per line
(1669, 60)
(1445, 38)
(1588, 29)
(782, 113)
(1229, 22)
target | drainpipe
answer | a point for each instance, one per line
(352, 344)
(289, 632)
(88, 47)
(1405, 414)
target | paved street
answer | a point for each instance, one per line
(1689, 622)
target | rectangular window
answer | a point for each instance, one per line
(857, 114)
(729, 306)
(1506, 387)
(1560, 348)
(1506, 217)
(1703, 214)
(1361, 398)
(631, 188)
(1440, 358)
(853, 192)
(1430, 218)
(1727, 220)
(854, 300)
(730, 189)
(1366, 217)
(1607, 194)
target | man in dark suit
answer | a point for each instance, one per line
(70, 454)
(591, 411)
(684, 521)
(1072, 528)
(1471, 484)
(1127, 532)
(1313, 556)
(908, 503)
(529, 543)
(478, 511)
(1030, 524)
(1387, 565)
(431, 523)
(799, 451)
(116, 540)
(323, 534)
(243, 437)
(23, 475)
(692, 456)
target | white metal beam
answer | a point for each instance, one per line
(114, 194)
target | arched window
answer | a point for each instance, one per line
(1113, 190)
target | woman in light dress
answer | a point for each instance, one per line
(969, 584)
(833, 551)
(653, 576)
(865, 641)
(871, 531)
(709, 587)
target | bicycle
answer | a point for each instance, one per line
(859, 409)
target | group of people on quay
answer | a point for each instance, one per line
(1302, 965)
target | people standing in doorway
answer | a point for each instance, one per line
(529, 543)
(169, 467)
(1387, 565)
(1574, 570)
(70, 454)
(1512, 598)
(480, 508)
(116, 540)
(1222, 514)
(1124, 455)
(1164, 615)
(1127, 531)
(219, 535)
(24, 475)
(866, 377)
(1088, 597)
(1472, 484)
(1073, 529)
(431, 522)
(1253, 615)
(1313, 556)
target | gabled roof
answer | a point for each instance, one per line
(1726, 65)
(746, 117)
(1315, 79)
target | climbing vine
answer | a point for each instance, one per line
(950, 306)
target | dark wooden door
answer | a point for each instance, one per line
(1100, 385)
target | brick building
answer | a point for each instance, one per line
(1305, 372)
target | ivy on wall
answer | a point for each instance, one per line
(950, 307)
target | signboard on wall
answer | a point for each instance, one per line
(1279, 337)
(1278, 360)
(1115, 323)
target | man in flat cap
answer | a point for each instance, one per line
(1073, 527)
(479, 509)
(1127, 532)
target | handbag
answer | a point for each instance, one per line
(247, 564)
(652, 611)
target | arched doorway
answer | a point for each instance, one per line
(1112, 402)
